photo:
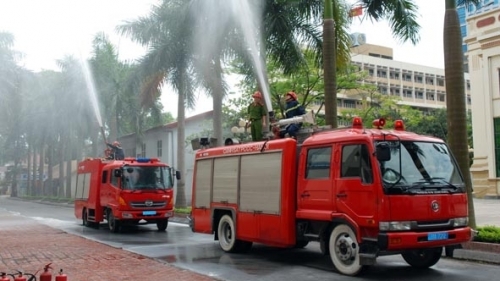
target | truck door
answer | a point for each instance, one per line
(355, 189)
(315, 181)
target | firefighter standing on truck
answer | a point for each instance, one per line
(256, 116)
(116, 151)
(293, 109)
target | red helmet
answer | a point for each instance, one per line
(115, 143)
(292, 94)
(257, 95)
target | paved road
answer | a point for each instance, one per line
(199, 253)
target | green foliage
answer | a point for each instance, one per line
(186, 210)
(490, 234)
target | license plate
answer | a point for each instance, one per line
(149, 213)
(437, 236)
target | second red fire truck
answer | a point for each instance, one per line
(124, 192)
(361, 193)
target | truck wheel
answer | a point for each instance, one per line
(227, 234)
(423, 258)
(162, 225)
(344, 250)
(113, 223)
(85, 221)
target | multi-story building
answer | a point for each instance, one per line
(483, 42)
(419, 86)
(466, 11)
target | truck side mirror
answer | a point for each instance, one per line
(383, 152)
(118, 173)
(177, 175)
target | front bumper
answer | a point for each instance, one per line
(143, 214)
(396, 241)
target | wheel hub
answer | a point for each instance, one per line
(345, 248)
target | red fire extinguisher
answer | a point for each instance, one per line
(20, 276)
(4, 277)
(46, 275)
(61, 276)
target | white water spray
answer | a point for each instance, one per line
(250, 26)
(217, 15)
(89, 81)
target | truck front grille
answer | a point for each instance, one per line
(148, 204)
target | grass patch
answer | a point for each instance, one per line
(489, 234)
(186, 211)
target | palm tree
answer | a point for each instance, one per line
(11, 107)
(455, 91)
(169, 59)
(401, 15)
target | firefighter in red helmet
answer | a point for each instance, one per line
(117, 151)
(256, 116)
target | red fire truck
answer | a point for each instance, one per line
(361, 193)
(129, 191)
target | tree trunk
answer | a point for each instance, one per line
(41, 164)
(29, 181)
(218, 96)
(60, 180)
(329, 68)
(50, 163)
(455, 99)
(180, 198)
(67, 175)
(34, 173)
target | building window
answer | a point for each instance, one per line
(349, 104)
(496, 129)
(407, 94)
(430, 96)
(418, 79)
(419, 95)
(468, 99)
(159, 147)
(143, 150)
(381, 73)
(440, 82)
(407, 77)
(441, 98)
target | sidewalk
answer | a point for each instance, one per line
(27, 246)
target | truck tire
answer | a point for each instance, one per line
(344, 250)
(227, 234)
(113, 223)
(162, 225)
(423, 258)
(85, 220)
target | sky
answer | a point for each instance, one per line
(48, 30)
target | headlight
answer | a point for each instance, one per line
(457, 222)
(394, 225)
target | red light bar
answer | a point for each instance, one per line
(399, 125)
(357, 123)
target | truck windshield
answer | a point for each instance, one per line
(421, 167)
(146, 177)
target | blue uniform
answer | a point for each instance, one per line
(293, 109)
